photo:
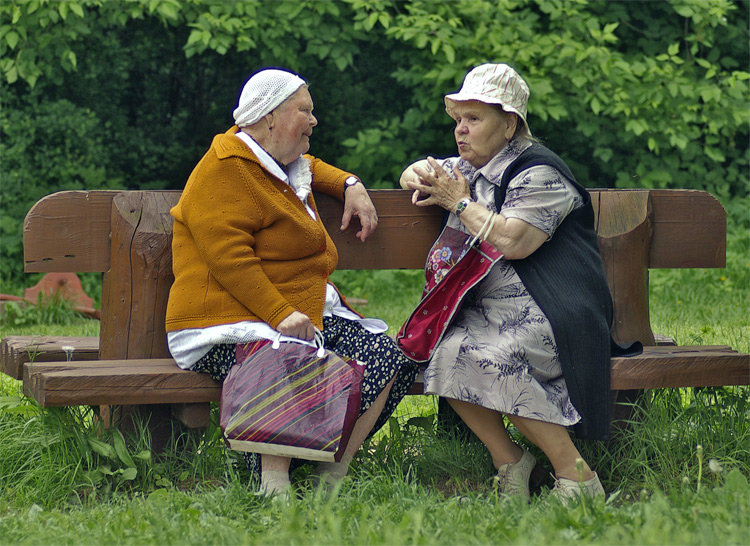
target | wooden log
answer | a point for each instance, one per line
(15, 351)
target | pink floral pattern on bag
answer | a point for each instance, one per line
(444, 254)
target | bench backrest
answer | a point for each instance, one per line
(126, 235)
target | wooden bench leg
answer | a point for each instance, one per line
(622, 410)
(157, 419)
(160, 418)
(192, 415)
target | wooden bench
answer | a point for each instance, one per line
(126, 236)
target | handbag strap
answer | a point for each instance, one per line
(318, 342)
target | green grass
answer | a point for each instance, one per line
(676, 474)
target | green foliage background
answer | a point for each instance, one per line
(128, 94)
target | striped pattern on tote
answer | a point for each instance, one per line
(289, 396)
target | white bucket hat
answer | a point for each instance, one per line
(494, 84)
(263, 92)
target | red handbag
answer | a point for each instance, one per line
(455, 264)
(291, 400)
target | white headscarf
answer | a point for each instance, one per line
(263, 92)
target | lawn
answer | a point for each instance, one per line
(677, 474)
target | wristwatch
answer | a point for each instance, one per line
(349, 182)
(462, 204)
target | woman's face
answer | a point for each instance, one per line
(293, 122)
(482, 130)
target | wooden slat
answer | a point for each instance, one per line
(665, 366)
(160, 381)
(404, 236)
(17, 350)
(68, 232)
(134, 382)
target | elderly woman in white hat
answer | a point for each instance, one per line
(251, 258)
(531, 341)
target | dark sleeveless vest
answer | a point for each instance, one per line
(565, 276)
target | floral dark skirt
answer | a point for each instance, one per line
(382, 357)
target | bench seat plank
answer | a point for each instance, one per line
(115, 382)
(672, 366)
(160, 381)
(15, 351)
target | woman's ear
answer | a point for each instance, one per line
(511, 122)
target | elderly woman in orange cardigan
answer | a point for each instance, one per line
(252, 258)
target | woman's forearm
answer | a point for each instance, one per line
(514, 238)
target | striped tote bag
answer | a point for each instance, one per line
(291, 400)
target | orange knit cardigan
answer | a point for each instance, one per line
(244, 246)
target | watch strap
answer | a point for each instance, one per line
(462, 204)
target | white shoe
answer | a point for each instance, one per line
(512, 479)
(566, 490)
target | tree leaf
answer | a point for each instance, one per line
(76, 8)
(12, 39)
(596, 106)
(450, 53)
(371, 20)
(684, 11)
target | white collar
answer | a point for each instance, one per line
(263, 156)
(299, 175)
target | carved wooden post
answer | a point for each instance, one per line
(136, 289)
(624, 228)
(139, 278)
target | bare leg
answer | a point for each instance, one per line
(555, 441)
(274, 477)
(488, 425)
(332, 473)
(274, 462)
(366, 421)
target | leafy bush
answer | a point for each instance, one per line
(652, 97)
(103, 94)
(45, 147)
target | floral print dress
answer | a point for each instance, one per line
(500, 351)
